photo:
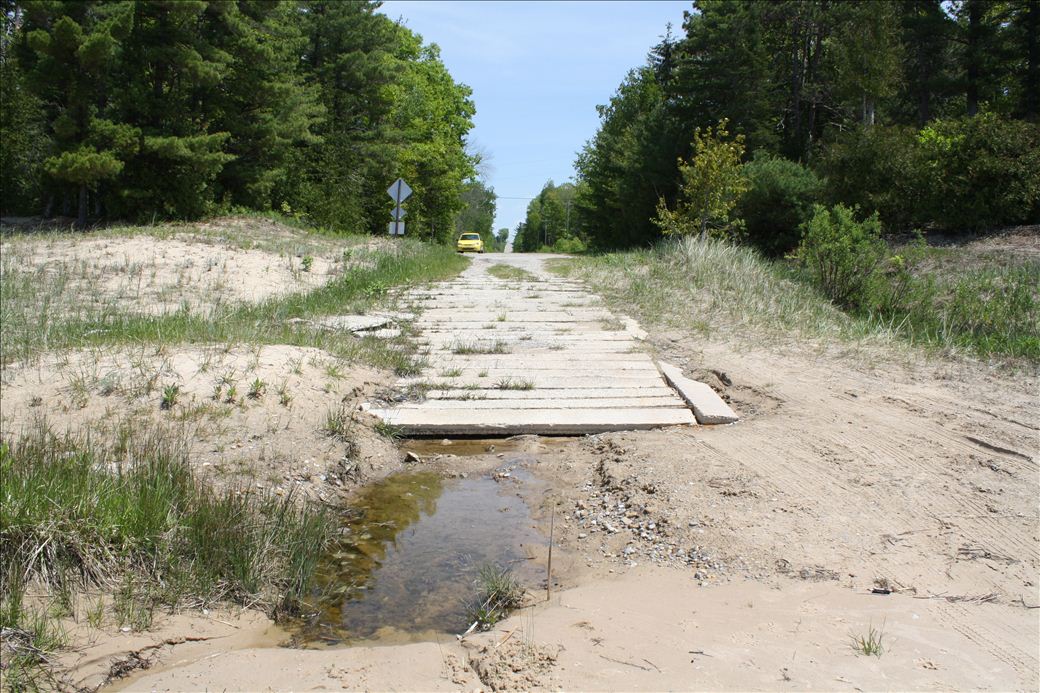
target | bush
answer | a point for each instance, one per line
(842, 255)
(962, 173)
(876, 168)
(778, 202)
(981, 172)
(568, 244)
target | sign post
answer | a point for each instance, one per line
(398, 192)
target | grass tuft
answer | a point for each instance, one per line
(515, 384)
(870, 643)
(499, 593)
(497, 346)
(509, 272)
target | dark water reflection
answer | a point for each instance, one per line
(412, 545)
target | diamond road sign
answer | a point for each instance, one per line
(399, 191)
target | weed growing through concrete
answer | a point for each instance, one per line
(497, 346)
(515, 384)
(509, 272)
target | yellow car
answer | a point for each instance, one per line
(470, 242)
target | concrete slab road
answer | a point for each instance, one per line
(531, 354)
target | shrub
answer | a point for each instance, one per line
(568, 244)
(779, 200)
(876, 168)
(981, 172)
(841, 254)
(959, 173)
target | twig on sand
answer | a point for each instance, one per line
(632, 664)
(503, 640)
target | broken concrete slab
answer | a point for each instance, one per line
(353, 323)
(632, 327)
(707, 406)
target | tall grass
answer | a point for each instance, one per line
(131, 517)
(715, 287)
(35, 310)
(712, 286)
(979, 303)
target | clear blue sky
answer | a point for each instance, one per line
(537, 70)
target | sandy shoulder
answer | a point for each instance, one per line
(651, 629)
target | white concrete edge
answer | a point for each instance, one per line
(706, 404)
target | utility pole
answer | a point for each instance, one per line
(568, 218)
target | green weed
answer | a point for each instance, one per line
(499, 593)
(256, 389)
(869, 644)
(509, 272)
(338, 424)
(170, 394)
(515, 384)
(132, 517)
(497, 346)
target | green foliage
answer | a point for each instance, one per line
(870, 643)
(986, 303)
(960, 173)
(712, 183)
(478, 214)
(568, 245)
(24, 143)
(142, 109)
(548, 220)
(778, 201)
(843, 87)
(628, 165)
(877, 169)
(841, 254)
(981, 172)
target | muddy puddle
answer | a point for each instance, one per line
(409, 551)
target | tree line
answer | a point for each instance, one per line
(924, 111)
(137, 109)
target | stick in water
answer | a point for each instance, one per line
(548, 569)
